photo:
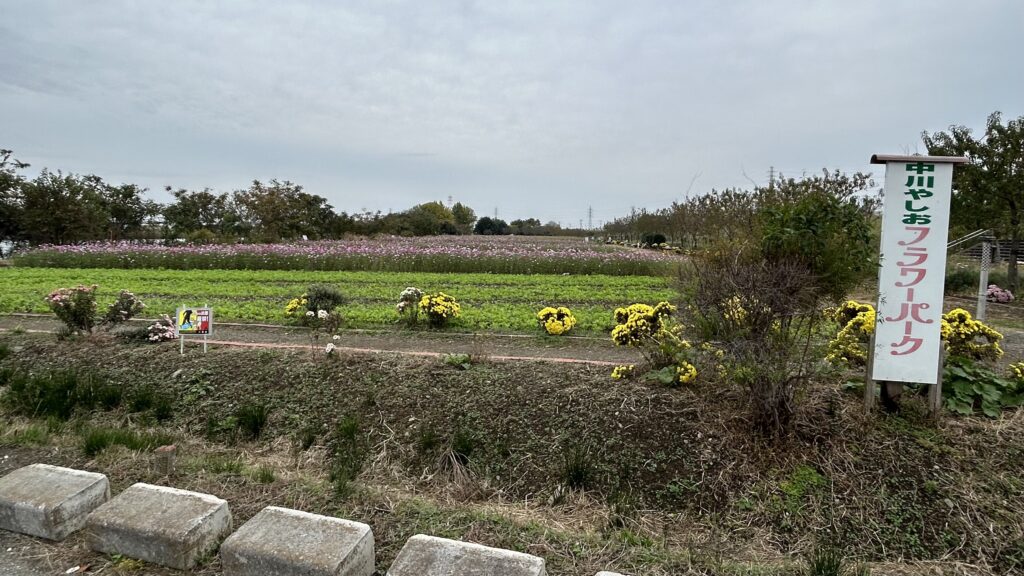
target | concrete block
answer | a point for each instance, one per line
(430, 556)
(284, 542)
(49, 501)
(161, 525)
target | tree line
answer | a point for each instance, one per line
(988, 193)
(59, 208)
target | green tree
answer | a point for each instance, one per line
(282, 211)
(430, 219)
(60, 208)
(823, 223)
(491, 226)
(465, 217)
(10, 196)
(527, 227)
(128, 212)
(988, 191)
(193, 211)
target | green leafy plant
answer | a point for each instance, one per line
(460, 361)
(163, 407)
(263, 474)
(307, 437)
(348, 455)
(969, 386)
(59, 393)
(252, 419)
(142, 399)
(323, 297)
(578, 470)
(428, 440)
(464, 443)
(828, 561)
(97, 440)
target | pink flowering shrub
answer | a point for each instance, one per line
(126, 307)
(997, 294)
(162, 330)
(75, 307)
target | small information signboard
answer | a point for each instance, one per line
(193, 321)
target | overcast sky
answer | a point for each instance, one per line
(534, 108)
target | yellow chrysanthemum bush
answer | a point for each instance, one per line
(963, 336)
(653, 332)
(296, 307)
(969, 382)
(1017, 372)
(556, 320)
(856, 323)
(439, 308)
(623, 372)
(966, 337)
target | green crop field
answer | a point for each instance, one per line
(504, 302)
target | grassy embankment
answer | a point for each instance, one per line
(554, 460)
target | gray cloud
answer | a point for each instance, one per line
(539, 109)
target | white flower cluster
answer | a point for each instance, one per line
(162, 330)
(409, 299)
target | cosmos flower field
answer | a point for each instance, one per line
(459, 254)
(500, 282)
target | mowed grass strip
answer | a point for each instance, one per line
(489, 301)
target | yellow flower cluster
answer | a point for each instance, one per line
(556, 321)
(639, 322)
(858, 324)
(733, 310)
(296, 306)
(961, 333)
(1017, 372)
(686, 373)
(623, 372)
(440, 307)
(847, 311)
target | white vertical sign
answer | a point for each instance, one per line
(915, 225)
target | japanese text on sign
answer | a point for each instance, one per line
(910, 285)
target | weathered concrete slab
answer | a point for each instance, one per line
(285, 542)
(158, 524)
(430, 556)
(49, 501)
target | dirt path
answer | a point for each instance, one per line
(573, 349)
(419, 342)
